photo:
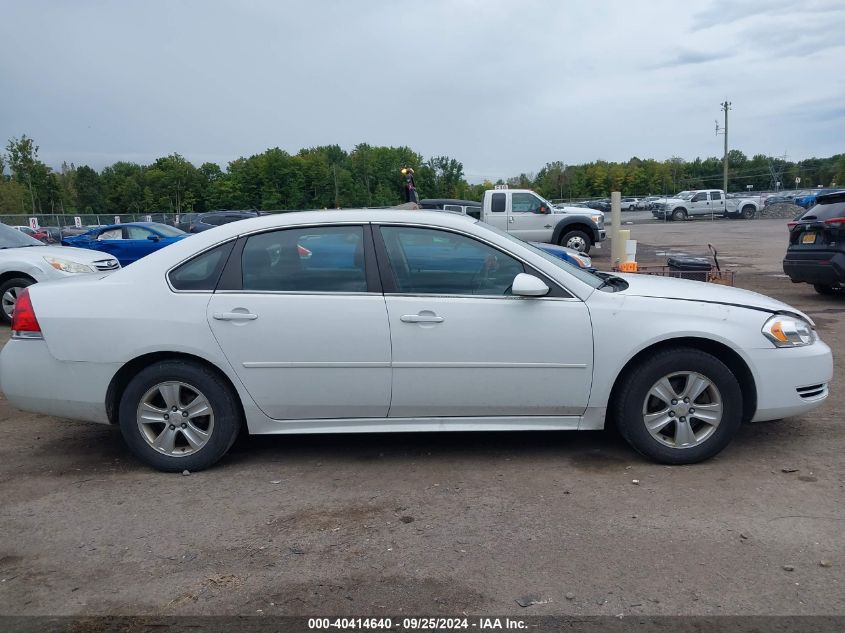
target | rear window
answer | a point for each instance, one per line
(498, 203)
(826, 211)
(203, 271)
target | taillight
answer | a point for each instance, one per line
(835, 221)
(791, 225)
(24, 322)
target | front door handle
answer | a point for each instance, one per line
(421, 318)
(510, 219)
(234, 316)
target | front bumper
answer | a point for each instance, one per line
(790, 381)
(32, 379)
(826, 268)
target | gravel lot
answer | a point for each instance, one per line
(442, 524)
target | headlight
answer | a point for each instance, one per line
(67, 266)
(787, 331)
(583, 262)
(598, 219)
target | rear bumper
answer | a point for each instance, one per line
(815, 267)
(33, 380)
(790, 381)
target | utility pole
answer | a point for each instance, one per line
(725, 107)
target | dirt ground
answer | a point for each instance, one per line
(443, 524)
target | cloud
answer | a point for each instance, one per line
(503, 87)
(689, 57)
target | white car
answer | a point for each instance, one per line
(25, 261)
(380, 320)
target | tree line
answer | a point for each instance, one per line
(367, 176)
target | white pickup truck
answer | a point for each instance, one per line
(704, 202)
(528, 216)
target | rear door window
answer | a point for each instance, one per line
(318, 259)
(498, 203)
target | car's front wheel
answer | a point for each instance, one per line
(577, 240)
(179, 415)
(681, 406)
(679, 215)
(9, 291)
(825, 290)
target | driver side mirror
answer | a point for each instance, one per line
(525, 285)
(153, 238)
(544, 208)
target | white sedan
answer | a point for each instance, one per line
(370, 321)
(25, 261)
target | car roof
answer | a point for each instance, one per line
(455, 201)
(830, 198)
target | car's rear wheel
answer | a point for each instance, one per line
(577, 240)
(679, 214)
(681, 406)
(748, 212)
(179, 415)
(9, 291)
(825, 290)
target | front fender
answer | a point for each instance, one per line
(565, 223)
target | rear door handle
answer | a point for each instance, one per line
(510, 219)
(235, 316)
(421, 318)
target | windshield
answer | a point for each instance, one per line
(587, 277)
(169, 231)
(685, 195)
(12, 238)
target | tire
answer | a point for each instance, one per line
(748, 212)
(167, 384)
(9, 291)
(577, 240)
(683, 367)
(824, 290)
(679, 215)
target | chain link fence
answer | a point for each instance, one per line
(85, 220)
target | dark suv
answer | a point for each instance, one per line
(199, 222)
(816, 253)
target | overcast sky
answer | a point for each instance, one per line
(504, 87)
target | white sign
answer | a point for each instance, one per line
(797, 180)
(177, 218)
(500, 186)
(33, 224)
(148, 218)
(77, 221)
(117, 219)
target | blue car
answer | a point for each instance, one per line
(809, 199)
(127, 242)
(566, 254)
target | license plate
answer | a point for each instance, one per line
(808, 238)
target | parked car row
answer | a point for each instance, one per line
(25, 261)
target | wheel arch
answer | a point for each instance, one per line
(728, 356)
(574, 224)
(121, 379)
(12, 274)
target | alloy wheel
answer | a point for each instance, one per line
(682, 409)
(175, 418)
(10, 299)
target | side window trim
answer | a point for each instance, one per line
(388, 281)
(231, 280)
